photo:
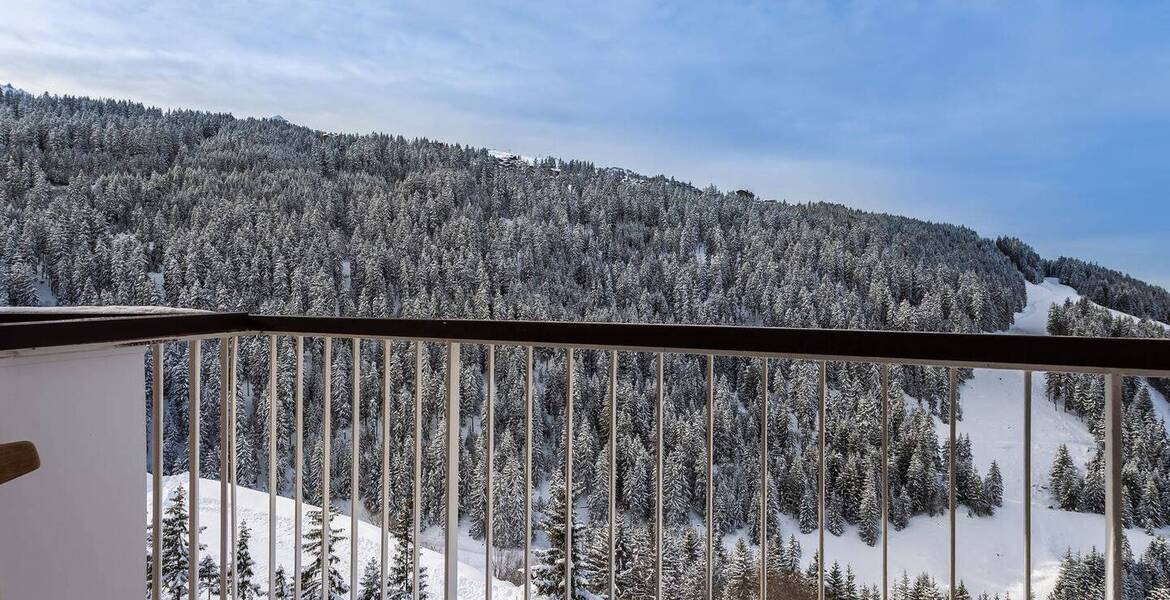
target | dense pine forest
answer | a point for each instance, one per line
(109, 202)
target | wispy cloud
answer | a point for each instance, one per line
(1039, 119)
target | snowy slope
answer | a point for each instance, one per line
(990, 549)
(253, 509)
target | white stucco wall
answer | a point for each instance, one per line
(75, 528)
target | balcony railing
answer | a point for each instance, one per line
(1112, 358)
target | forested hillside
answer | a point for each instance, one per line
(111, 202)
(1111, 288)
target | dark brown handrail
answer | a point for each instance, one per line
(1025, 352)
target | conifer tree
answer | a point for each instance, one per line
(319, 557)
(1064, 482)
(245, 566)
(173, 555)
(282, 590)
(993, 486)
(741, 573)
(400, 573)
(548, 577)
(209, 576)
(869, 524)
(371, 578)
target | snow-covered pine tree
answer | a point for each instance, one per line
(282, 590)
(245, 566)
(312, 577)
(809, 512)
(676, 495)
(1064, 483)
(869, 525)
(209, 576)
(400, 573)
(993, 486)
(594, 561)
(548, 577)
(741, 577)
(173, 555)
(835, 581)
(371, 578)
(508, 519)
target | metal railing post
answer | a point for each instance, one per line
(885, 401)
(660, 521)
(354, 470)
(224, 457)
(528, 399)
(569, 592)
(1027, 485)
(298, 462)
(764, 482)
(156, 466)
(326, 469)
(416, 510)
(489, 471)
(383, 537)
(194, 367)
(232, 382)
(273, 403)
(451, 535)
(709, 576)
(1114, 524)
(953, 393)
(822, 392)
(612, 474)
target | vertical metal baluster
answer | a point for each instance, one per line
(232, 460)
(612, 474)
(298, 462)
(156, 464)
(885, 401)
(194, 367)
(528, 399)
(569, 591)
(822, 393)
(1114, 525)
(383, 542)
(660, 521)
(451, 557)
(273, 403)
(355, 471)
(489, 467)
(416, 511)
(953, 390)
(764, 484)
(1027, 485)
(709, 579)
(224, 455)
(326, 464)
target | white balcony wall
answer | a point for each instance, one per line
(74, 528)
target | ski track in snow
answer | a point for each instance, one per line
(990, 549)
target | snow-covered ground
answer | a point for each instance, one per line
(252, 508)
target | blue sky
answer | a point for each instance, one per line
(1045, 120)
